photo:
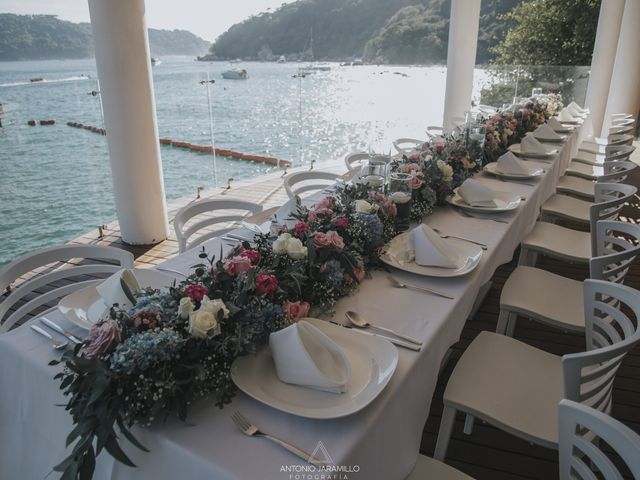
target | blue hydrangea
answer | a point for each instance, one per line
(333, 271)
(373, 226)
(141, 351)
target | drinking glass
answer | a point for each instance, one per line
(374, 171)
(400, 194)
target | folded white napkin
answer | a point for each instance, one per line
(565, 116)
(111, 290)
(428, 249)
(577, 107)
(555, 125)
(510, 164)
(545, 132)
(476, 195)
(530, 144)
(305, 356)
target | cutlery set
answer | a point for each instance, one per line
(56, 344)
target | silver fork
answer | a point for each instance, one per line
(444, 235)
(398, 284)
(481, 217)
(251, 430)
(56, 344)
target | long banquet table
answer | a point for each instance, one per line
(381, 441)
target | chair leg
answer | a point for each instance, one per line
(527, 257)
(503, 321)
(444, 433)
(468, 424)
(511, 325)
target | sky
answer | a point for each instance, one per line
(206, 18)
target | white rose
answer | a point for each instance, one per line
(295, 249)
(185, 308)
(280, 244)
(213, 307)
(362, 206)
(203, 324)
(508, 131)
(447, 171)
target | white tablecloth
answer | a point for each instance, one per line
(381, 441)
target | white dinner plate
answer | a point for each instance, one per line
(505, 202)
(562, 139)
(492, 168)
(85, 307)
(564, 129)
(516, 149)
(395, 256)
(373, 361)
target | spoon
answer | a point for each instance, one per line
(54, 343)
(443, 235)
(360, 322)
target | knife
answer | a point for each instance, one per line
(59, 329)
(399, 343)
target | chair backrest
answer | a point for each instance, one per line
(618, 152)
(407, 145)
(621, 115)
(610, 334)
(581, 430)
(615, 252)
(75, 266)
(622, 122)
(313, 180)
(609, 200)
(619, 137)
(235, 210)
(616, 171)
(354, 160)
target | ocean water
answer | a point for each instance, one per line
(55, 181)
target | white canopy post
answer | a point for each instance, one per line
(124, 69)
(604, 54)
(461, 59)
(624, 92)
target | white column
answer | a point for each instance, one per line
(604, 54)
(124, 69)
(461, 59)
(624, 92)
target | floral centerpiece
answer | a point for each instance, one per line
(436, 169)
(176, 346)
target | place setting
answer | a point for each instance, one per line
(511, 168)
(531, 147)
(474, 199)
(546, 134)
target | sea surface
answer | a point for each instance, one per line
(55, 181)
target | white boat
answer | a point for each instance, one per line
(282, 59)
(235, 74)
(155, 61)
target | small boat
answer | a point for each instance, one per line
(315, 67)
(235, 74)
(155, 61)
(282, 59)
(36, 80)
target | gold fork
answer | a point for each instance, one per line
(251, 430)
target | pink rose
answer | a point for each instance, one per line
(103, 338)
(439, 148)
(252, 255)
(266, 284)
(341, 223)
(415, 157)
(146, 318)
(410, 167)
(392, 210)
(328, 240)
(196, 292)
(300, 228)
(237, 265)
(416, 181)
(315, 213)
(295, 310)
(326, 202)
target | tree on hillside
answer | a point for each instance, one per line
(550, 32)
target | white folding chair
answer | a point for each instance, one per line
(73, 266)
(303, 182)
(558, 301)
(613, 153)
(599, 145)
(429, 469)
(405, 146)
(581, 431)
(594, 172)
(566, 244)
(578, 210)
(517, 387)
(202, 214)
(353, 161)
(585, 188)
